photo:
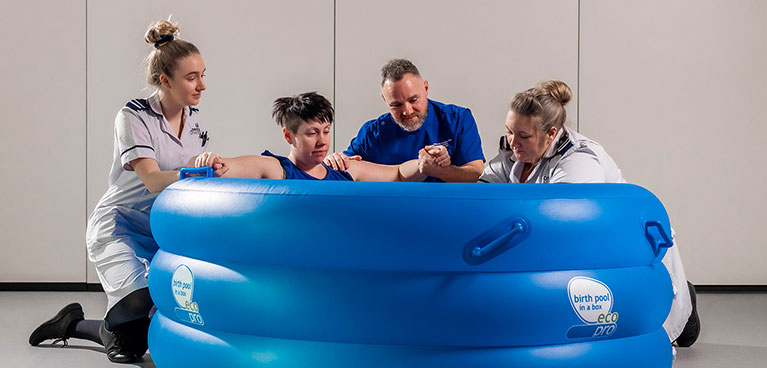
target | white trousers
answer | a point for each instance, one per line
(120, 249)
(681, 307)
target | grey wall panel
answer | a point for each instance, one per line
(675, 92)
(43, 141)
(255, 51)
(475, 54)
(672, 90)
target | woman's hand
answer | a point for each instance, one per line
(213, 160)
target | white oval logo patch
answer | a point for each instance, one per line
(589, 298)
(183, 286)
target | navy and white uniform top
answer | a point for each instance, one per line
(291, 171)
(574, 158)
(571, 158)
(141, 131)
(383, 141)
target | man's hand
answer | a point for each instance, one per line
(440, 155)
(339, 161)
(432, 159)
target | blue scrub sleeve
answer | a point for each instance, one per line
(360, 145)
(468, 143)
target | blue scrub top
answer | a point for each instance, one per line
(293, 172)
(383, 141)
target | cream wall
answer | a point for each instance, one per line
(675, 90)
(466, 50)
(42, 111)
(672, 90)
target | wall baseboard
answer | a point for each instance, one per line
(49, 286)
(703, 289)
(82, 286)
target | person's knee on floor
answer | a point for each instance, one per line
(133, 306)
(692, 329)
(125, 328)
(128, 342)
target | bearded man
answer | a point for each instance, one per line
(416, 127)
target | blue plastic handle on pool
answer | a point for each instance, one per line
(207, 170)
(480, 251)
(657, 236)
(495, 241)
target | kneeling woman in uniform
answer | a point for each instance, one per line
(306, 120)
(154, 138)
(539, 148)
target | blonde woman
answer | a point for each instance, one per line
(539, 148)
(154, 138)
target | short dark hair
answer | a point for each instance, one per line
(291, 112)
(395, 70)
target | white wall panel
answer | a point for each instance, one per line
(42, 226)
(675, 91)
(255, 52)
(476, 54)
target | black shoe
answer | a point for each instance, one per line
(118, 346)
(692, 328)
(58, 326)
(136, 331)
(139, 334)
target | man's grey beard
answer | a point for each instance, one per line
(412, 127)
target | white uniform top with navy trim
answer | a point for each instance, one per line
(118, 229)
(577, 159)
(573, 158)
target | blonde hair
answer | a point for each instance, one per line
(168, 49)
(547, 100)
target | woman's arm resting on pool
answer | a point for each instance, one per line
(469, 172)
(149, 172)
(251, 166)
(408, 171)
(254, 166)
(368, 171)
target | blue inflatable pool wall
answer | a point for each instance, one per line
(288, 273)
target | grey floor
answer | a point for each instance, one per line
(734, 332)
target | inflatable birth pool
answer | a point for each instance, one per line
(289, 273)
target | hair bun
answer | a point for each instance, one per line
(162, 28)
(558, 90)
